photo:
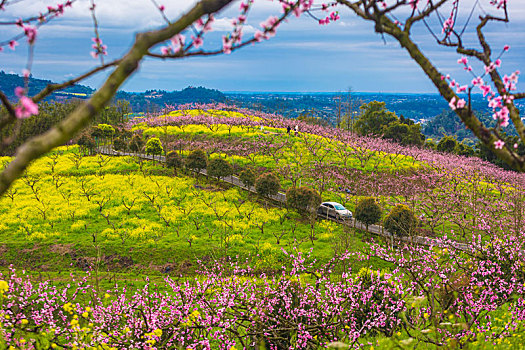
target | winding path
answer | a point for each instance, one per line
(281, 198)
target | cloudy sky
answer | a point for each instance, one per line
(303, 57)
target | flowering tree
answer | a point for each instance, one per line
(398, 18)
(437, 295)
(286, 311)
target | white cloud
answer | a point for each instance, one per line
(142, 14)
(225, 25)
(136, 14)
(114, 16)
(516, 8)
(86, 64)
(331, 46)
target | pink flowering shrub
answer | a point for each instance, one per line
(300, 307)
(448, 284)
(438, 294)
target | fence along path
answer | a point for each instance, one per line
(280, 197)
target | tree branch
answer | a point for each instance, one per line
(425, 13)
(66, 129)
(11, 116)
(8, 106)
(495, 76)
(197, 53)
(466, 115)
(48, 90)
(184, 53)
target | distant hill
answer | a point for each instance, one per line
(8, 83)
(151, 100)
(431, 110)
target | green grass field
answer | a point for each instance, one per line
(108, 210)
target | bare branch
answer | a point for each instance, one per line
(8, 106)
(198, 53)
(470, 52)
(51, 13)
(386, 25)
(11, 117)
(41, 20)
(422, 15)
(185, 53)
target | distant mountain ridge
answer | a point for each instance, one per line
(422, 107)
(8, 83)
(156, 99)
(150, 100)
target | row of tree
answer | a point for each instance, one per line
(450, 144)
(400, 221)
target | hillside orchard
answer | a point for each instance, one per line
(242, 270)
(208, 246)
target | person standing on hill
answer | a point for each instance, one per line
(288, 129)
(296, 129)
